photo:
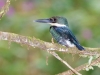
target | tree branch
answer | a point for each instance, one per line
(49, 47)
(33, 42)
(4, 9)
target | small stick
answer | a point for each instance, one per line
(57, 56)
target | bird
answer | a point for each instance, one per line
(61, 32)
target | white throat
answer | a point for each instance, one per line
(58, 25)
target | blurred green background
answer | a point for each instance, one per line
(84, 20)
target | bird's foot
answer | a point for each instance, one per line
(52, 40)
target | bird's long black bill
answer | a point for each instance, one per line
(43, 20)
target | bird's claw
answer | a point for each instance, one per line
(52, 40)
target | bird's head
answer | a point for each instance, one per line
(54, 21)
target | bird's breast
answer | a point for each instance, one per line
(69, 43)
(54, 33)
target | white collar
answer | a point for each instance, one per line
(58, 25)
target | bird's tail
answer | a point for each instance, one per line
(79, 47)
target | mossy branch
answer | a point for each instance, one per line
(34, 42)
(49, 47)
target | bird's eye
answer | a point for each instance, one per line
(53, 20)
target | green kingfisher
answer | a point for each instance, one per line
(60, 31)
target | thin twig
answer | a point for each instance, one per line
(57, 56)
(82, 67)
